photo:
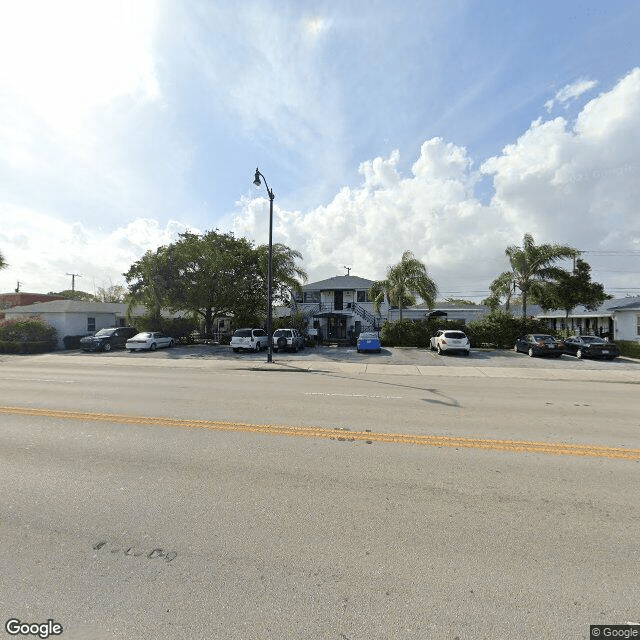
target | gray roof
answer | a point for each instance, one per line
(72, 306)
(607, 308)
(448, 306)
(339, 282)
(82, 306)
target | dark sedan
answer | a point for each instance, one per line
(107, 339)
(539, 344)
(591, 347)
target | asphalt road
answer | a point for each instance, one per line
(199, 494)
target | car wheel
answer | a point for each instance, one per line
(171, 344)
(258, 347)
(235, 350)
(439, 350)
(153, 346)
(107, 347)
(579, 354)
(466, 353)
(282, 343)
(531, 352)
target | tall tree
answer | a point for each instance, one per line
(405, 280)
(571, 289)
(3, 264)
(112, 293)
(533, 265)
(148, 280)
(287, 274)
(215, 274)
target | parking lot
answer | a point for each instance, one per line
(388, 356)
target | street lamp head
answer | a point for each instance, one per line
(257, 178)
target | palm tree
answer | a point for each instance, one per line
(288, 275)
(3, 264)
(533, 265)
(404, 281)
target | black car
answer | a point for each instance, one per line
(591, 347)
(539, 344)
(107, 339)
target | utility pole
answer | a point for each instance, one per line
(73, 279)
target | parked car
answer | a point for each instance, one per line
(591, 347)
(249, 339)
(149, 341)
(539, 344)
(290, 339)
(107, 339)
(450, 340)
(368, 341)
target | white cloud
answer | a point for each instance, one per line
(99, 256)
(61, 59)
(575, 185)
(570, 92)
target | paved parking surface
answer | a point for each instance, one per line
(390, 360)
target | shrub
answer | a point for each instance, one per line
(500, 329)
(629, 348)
(72, 342)
(27, 336)
(415, 333)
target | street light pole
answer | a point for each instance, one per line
(257, 182)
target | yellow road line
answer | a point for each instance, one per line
(552, 448)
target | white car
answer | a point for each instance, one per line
(149, 341)
(287, 339)
(450, 340)
(249, 339)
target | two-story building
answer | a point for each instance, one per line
(339, 308)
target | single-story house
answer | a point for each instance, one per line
(76, 317)
(616, 319)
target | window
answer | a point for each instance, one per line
(91, 324)
(638, 325)
(312, 296)
(363, 296)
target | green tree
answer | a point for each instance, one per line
(215, 275)
(75, 294)
(3, 263)
(531, 267)
(404, 281)
(571, 289)
(287, 274)
(148, 280)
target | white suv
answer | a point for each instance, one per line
(287, 339)
(450, 340)
(249, 339)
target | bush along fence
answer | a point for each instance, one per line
(498, 330)
(27, 336)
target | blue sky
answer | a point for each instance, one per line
(447, 128)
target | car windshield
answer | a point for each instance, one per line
(242, 333)
(105, 333)
(543, 338)
(593, 340)
(143, 336)
(282, 332)
(455, 335)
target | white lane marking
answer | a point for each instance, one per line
(352, 395)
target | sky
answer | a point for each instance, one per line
(449, 129)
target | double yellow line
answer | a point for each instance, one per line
(551, 448)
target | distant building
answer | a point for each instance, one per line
(20, 299)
